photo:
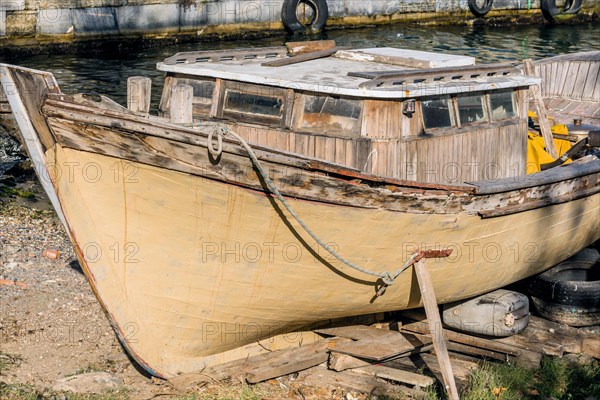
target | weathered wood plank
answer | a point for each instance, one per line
(425, 73)
(300, 58)
(192, 57)
(523, 356)
(554, 175)
(139, 93)
(181, 109)
(288, 361)
(397, 375)
(545, 127)
(348, 380)
(570, 79)
(309, 46)
(389, 344)
(188, 158)
(580, 79)
(462, 366)
(551, 338)
(341, 362)
(356, 332)
(435, 322)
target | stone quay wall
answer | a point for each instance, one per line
(31, 22)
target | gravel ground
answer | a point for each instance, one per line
(52, 326)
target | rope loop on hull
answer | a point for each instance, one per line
(388, 278)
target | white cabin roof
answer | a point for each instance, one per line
(330, 75)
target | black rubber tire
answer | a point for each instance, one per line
(567, 315)
(570, 283)
(316, 24)
(549, 9)
(480, 11)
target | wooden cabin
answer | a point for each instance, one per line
(406, 114)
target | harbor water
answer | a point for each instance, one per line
(107, 72)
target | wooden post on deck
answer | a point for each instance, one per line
(139, 91)
(545, 127)
(180, 109)
(435, 322)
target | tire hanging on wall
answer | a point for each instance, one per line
(311, 22)
(480, 11)
(550, 10)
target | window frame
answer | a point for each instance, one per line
(455, 114)
(513, 93)
(299, 112)
(451, 113)
(199, 109)
(249, 117)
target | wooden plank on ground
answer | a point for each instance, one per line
(435, 322)
(341, 362)
(523, 356)
(427, 362)
(384, 347)
(287, 362)
(476, 351)
(572, 340)
(259, 366)
(348, 380)
(545, 127)
(355, 332)
(397, 375)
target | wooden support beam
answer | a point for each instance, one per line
(181, 104)
(139, 91)
(544, 122)
(435, 327)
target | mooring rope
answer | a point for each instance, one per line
(388, 278)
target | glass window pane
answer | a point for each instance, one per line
(436, 113)
(502, 104)
(253, 103)
(471, 109)
(327, 114)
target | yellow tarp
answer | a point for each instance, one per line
(536, 149)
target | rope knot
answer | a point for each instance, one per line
(387, 279)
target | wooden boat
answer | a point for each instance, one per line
(194, 257)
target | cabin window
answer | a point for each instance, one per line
(502, 104)
(436, 113)
(253, 103)
(471, 109)
(263, 103)
(333, 115)
(202, 92)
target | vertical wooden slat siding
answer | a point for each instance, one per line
(551, 83)
(578, 80)
(596, 87)
(382, 119)
(570, 78)
(591, 81)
